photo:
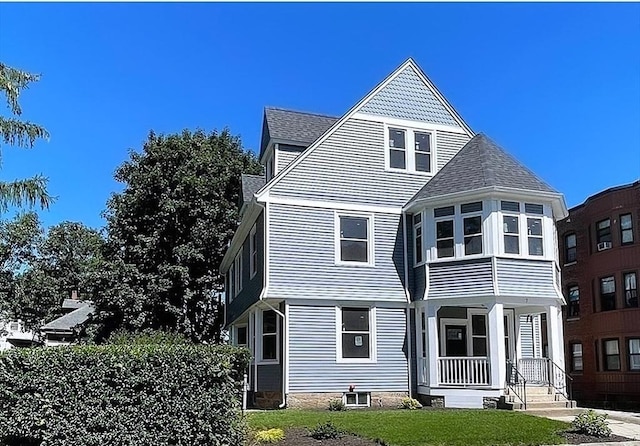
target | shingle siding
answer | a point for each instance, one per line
(312, 348)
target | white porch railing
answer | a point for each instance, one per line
(534, 370)
(464, 371)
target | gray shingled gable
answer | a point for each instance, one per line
(481, 163)
(70, 320)
(299, 128)
(250, 185)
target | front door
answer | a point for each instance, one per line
(455, 340)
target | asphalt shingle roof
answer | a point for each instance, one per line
(481, 163)
(300, 128)
(250, 185)
(70, 320)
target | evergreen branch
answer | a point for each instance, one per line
(22, 134)
(31, 191)
(12, 82)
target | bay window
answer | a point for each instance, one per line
(445, 243)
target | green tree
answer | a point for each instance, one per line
(19, 133)
(168, 231)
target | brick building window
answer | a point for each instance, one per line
(608, 293)
(626, 229)
(570, 251)
(611, 354)
(634, 354)
(576, 357)
(630, 290)
(573, 307)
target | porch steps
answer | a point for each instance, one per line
(541, 399)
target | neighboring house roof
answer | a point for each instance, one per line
(293, 127)
(250, 185)
(481, 163)
(71, 320)
(73, 303)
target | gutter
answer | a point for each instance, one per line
(408, 309)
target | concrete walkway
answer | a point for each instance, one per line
(625, 424)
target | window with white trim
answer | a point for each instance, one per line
(238, 273)
(534, 233)
(356, 399)
(270, 345)
(231, 279)
(409, 150)
(633, 345)
(479, 334)
(472, 228)
(445, 240)
(356, 337)
(354, 239)
(253, 251)
(511, 226)
(418, 246)
(603, 231)
(241, 335)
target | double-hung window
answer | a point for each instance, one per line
(511, 226)
(445, 243)
(356, 337)
(354, 239)
(633, 345)
(397, 148)
(422, 151)
(611, 354)
(630, 289)
(409, 150)
(253, 251)
(573, 308)
(608, 293)
(534, 229)
(479, 334)
(418, 239)
(269, 335)
(603, 233)
(576, 357)
(626, 229)
(472, 228)
(570, 249)
(241, 335)
(238, 273)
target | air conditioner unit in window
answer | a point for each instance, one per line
(604, 245)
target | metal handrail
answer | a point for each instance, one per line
(517, 381)
(564, 389)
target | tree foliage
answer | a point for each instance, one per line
(168, 231)
(39, 269)
(15, 132)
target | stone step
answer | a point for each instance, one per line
(553, 412)
(532, 405)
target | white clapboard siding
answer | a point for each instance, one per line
(525, 278)
(302, 258)
(349, 167)
(312, 353)
(460, 279)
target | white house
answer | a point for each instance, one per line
(393, 252)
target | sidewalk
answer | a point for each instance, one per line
(625, 424)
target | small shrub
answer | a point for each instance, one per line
(325, 431)
(269, 436)
(336, 405)
(410, 403)
(592, 423)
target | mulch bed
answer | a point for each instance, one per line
(300, 437)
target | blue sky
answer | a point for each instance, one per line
(557, 85)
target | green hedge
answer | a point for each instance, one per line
(122, 395)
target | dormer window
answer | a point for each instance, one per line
(409, 150)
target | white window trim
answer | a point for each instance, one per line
(435, 236)
(253, 253)
(370, 238)
(231, 282)
(415, 240)
(482, 234)
(373, 344)
(235, 334)
(259, 339)
(238, 272)
(410, 152)
(523, 233)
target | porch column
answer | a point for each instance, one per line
(555, 336)
(432, 352)
(497, 356)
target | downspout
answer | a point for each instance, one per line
(408, 296)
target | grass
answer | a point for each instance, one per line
(424, 427)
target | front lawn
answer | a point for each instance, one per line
(424, 427)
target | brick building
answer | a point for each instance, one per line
(600, 252)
